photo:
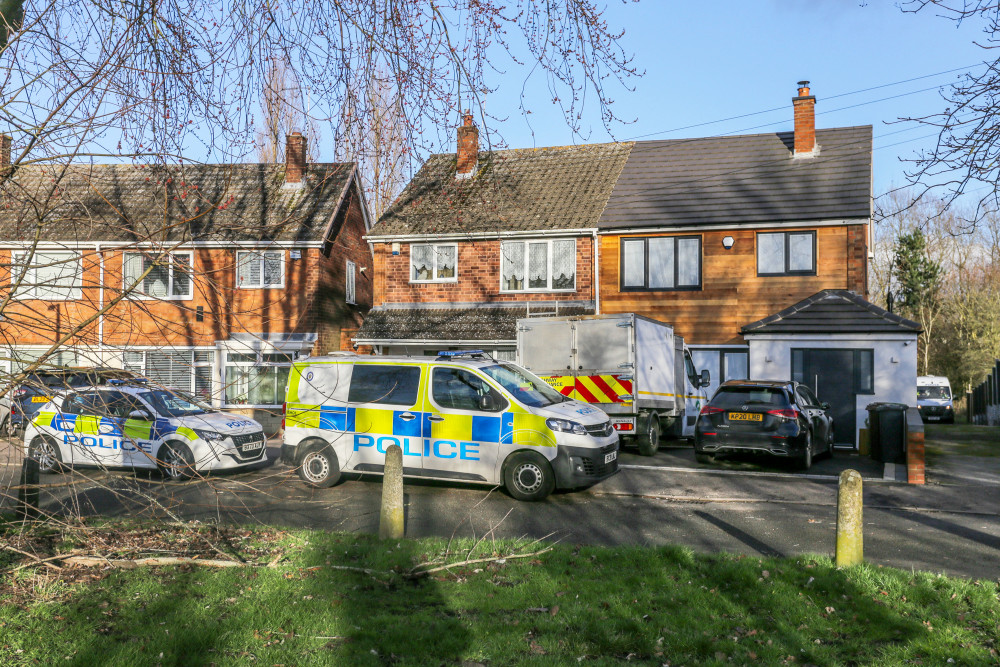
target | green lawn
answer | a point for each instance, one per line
(569, 605)
(962, 440)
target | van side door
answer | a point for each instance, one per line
(463, 426)
(383, 410)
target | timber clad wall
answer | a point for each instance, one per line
(732, 294)
(312, 300)
(478, 276)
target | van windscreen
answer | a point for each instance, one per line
(524, 386)
(933, 392)
(391, 385)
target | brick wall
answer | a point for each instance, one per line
(478, 276)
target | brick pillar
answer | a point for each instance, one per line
(804, 107)
(914, 448)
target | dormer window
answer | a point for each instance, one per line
(433, 263)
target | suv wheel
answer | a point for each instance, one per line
(805, 460)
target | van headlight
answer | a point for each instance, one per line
(566, 426)
(210, 436)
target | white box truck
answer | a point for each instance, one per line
(632, 367)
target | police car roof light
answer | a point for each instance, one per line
(130, 381)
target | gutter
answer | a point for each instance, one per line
(426, 341)
(468, 236)
(697, 229)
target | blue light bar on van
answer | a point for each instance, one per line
(459, 353)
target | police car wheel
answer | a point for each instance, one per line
(175, 461)
(528, 476)
(319, 468)
(46, 452)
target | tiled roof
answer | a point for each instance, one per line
(512, 190)
(743, 179)
(132, 203)
(450, 323)
(832, 312)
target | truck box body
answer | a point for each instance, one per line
(623, 363)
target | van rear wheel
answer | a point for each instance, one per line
(649, 440)
(319, 467)
(528, 476)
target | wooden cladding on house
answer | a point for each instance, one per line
(732, 293)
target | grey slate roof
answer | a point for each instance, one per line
(832, 311)
(484, 323)
(743, 179)
(133, 203)
(519, 189)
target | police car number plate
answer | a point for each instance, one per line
(40, 399)
(250, 446)
(610, 456)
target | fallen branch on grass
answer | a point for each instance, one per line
(416, 572)
(162, 561)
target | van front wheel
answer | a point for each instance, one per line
(528, 476)
(319, 467)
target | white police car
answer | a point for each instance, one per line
(131, 425)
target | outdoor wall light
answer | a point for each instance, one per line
(728, 242)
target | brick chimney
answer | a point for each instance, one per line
(4, 150)
(295, 157)
(805, 121)
(468, 147)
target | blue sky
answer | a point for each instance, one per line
(711, 61)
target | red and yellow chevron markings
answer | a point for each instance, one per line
(592, 388)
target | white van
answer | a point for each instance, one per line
(934, 399)
(462, 417)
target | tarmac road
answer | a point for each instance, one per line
(741, 508)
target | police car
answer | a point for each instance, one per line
(461, 417)
(129, 424)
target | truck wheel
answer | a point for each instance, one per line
(649, 440)
(528, 476)
(46, 452)
(175, 461)
(319, 467)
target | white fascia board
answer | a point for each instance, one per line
(694, 229)
(178, 245)
(833, 335)
(426, 341)
(459, 236)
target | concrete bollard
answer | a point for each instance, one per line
(390, 525)
(850, 540)
(27, 492)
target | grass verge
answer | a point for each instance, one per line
(962, 440)
(568, 605)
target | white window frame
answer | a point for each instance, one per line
(549, 243)
(261, 253)
(74, 292)
(434, 254)
(350, 288)
(139, 292)
(260, 362)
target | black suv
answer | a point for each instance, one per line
(776, 418)
(38, 387)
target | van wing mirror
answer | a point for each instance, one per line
(140, 414)
(706, 378)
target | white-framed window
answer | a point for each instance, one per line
(257, 378)
(257, 269)
(49, 275)
(181, 370)
(786, 253)
(433, 262)
(349, 289)
(166, 276)
(538, 266)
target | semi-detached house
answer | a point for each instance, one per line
(235, 271)
(710, 235)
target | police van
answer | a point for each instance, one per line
(127, 424)
(462, 417)
(934, 399)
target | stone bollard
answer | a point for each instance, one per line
(850, 541)
(390, 525)
(27, 492)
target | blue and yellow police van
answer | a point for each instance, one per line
(461, 416)
(128, 424)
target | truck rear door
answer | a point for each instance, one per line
(604, 360)
(546, 349)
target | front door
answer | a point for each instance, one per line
(463, 428)
(831, 374)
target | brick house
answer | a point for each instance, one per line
(477, 240)
(205, 278)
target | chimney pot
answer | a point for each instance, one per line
(804, 107)
(295, 157)
(468, 147)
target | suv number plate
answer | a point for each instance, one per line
(745, 417)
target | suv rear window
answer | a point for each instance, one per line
(737, 397)
(392, 385)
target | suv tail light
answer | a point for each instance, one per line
(787, 414)
(710, 410)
